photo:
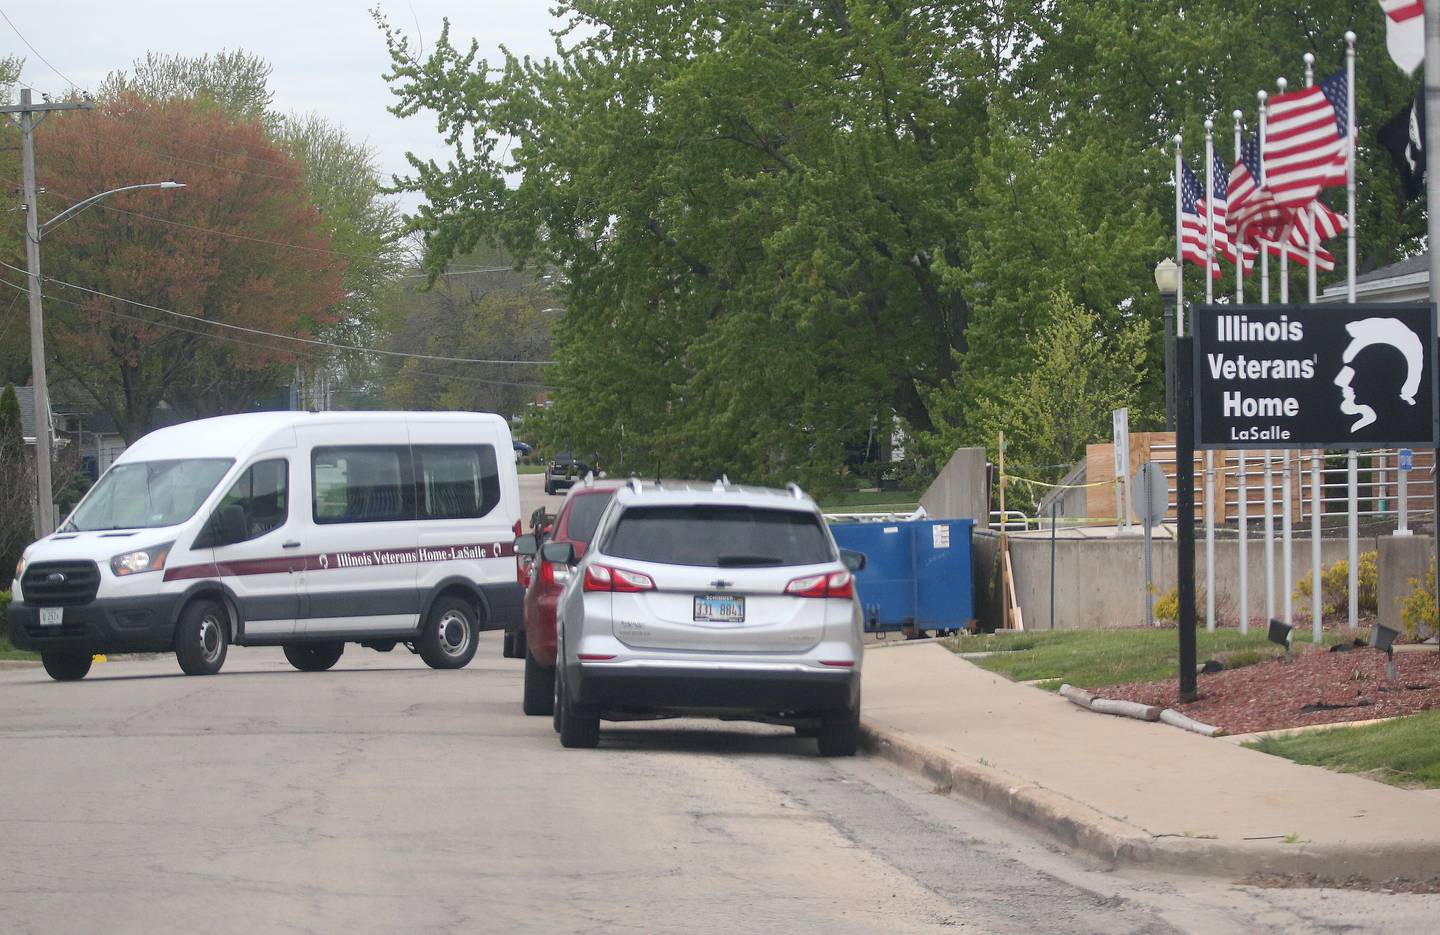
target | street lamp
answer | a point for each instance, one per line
(34, 231)
(1167, 280)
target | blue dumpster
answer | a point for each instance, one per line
(917, 573)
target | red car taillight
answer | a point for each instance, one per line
(835, 584)
(605, 578)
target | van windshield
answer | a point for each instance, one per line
(147, 494)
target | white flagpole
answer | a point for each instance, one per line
(1268, 475)
(1264, 254)
(1209, 209)
(1352, 461)
(1317, 457)
(1209, 299)
(1179, 230)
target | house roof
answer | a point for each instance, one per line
(1420, 263)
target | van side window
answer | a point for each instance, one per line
(263, 492)
(456, 482)
(362, 484)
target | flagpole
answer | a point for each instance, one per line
(1268, 475)
(1352, 461)
(1264, 254)
(1179, 232)
(1239, 246)
(1432, 192)
(1317, 457)
(1209, 209)
(1209, 299)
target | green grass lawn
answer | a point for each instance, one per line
(1402, 752)
(870, 501)
(1094, 658)
(530, 468)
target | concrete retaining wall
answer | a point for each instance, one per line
(1100, 582)
(1401, 559)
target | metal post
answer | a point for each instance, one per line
(1402, 483)
(1168, 302)
(1244, 548)
(1352, 554)
(1185, 520)
(1287, 540)
(44, 493)
(1054, 513)
(1269, 481)
(1317, 528)
(1210, 537)
(1179, 229)
(1432, 192)
(1352, 459)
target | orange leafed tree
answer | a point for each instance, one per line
(240, 244)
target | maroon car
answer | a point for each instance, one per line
(576, 522)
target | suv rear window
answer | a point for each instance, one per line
(719, 537)
(585, 512)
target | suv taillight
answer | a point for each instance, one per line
(835, 584)
(605, 578)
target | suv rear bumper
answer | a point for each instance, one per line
(797, 691)
(136, 624)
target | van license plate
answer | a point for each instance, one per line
(719, 608)
(51, 616)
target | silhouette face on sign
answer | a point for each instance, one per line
(1396, 372)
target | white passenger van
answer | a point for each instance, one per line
(303, 530)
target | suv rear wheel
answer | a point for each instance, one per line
(66, 667)
(575, 731)
(840, 732)
(539, 697)
(448, 641)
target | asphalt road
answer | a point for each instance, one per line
(386, 797)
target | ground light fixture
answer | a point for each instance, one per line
(1280, 634)
(1383, 639)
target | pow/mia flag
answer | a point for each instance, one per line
(1404, 136)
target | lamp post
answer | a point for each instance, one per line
(34, 232)
(1167, 280)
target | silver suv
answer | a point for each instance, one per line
(711, 600)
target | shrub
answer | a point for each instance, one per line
(1167, 605)
(1335, 587)
(1417, 608)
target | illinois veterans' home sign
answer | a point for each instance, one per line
(1315, 376)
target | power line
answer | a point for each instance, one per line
(283, 337)
(241, 341)
(38, 55)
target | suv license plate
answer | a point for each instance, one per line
(719, 608)
(51, 616)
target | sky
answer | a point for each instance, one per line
(328, 55)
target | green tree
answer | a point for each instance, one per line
(238, 82)
(1050, 411)
(17, 490)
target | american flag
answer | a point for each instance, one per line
(1405, 32)
(1296, 240)
(1192, 220)
(1220, 208)
(1306, 148)
(1251, 206)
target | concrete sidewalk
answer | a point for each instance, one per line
(1133, 791)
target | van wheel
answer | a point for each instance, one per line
(448, 641)
(549, 488)
(575, 731)
(840, 732)
(539, 696)
(200, 639)
(66, 667)
(314, 657)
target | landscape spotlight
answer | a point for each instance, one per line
(1280, 634)
(1383, 639)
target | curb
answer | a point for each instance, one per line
(1081, 827)
(18, 664)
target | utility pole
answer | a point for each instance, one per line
(26, 111)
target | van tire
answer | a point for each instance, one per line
(576, 732)
(840, 732)
(539, 696)
(66, 667)
(448, 639)
(549, 488)
(521, 645)
(202, 637)
(314, 657)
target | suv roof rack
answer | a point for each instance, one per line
(634, 483)
(589, 478)
(795, 490)
(722, 483)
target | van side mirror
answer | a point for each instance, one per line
(526, 545)
(225, 527)
(559, 553)
(855, 561)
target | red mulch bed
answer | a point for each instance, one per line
(1316, 688)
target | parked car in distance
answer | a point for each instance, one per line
(562, 471)
(294, 529)
(709, 600)
(522, 449)
(574, 524)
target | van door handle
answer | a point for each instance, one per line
(292, 544)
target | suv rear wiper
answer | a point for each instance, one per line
(740, 561)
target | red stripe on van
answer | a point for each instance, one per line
(326, 561)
